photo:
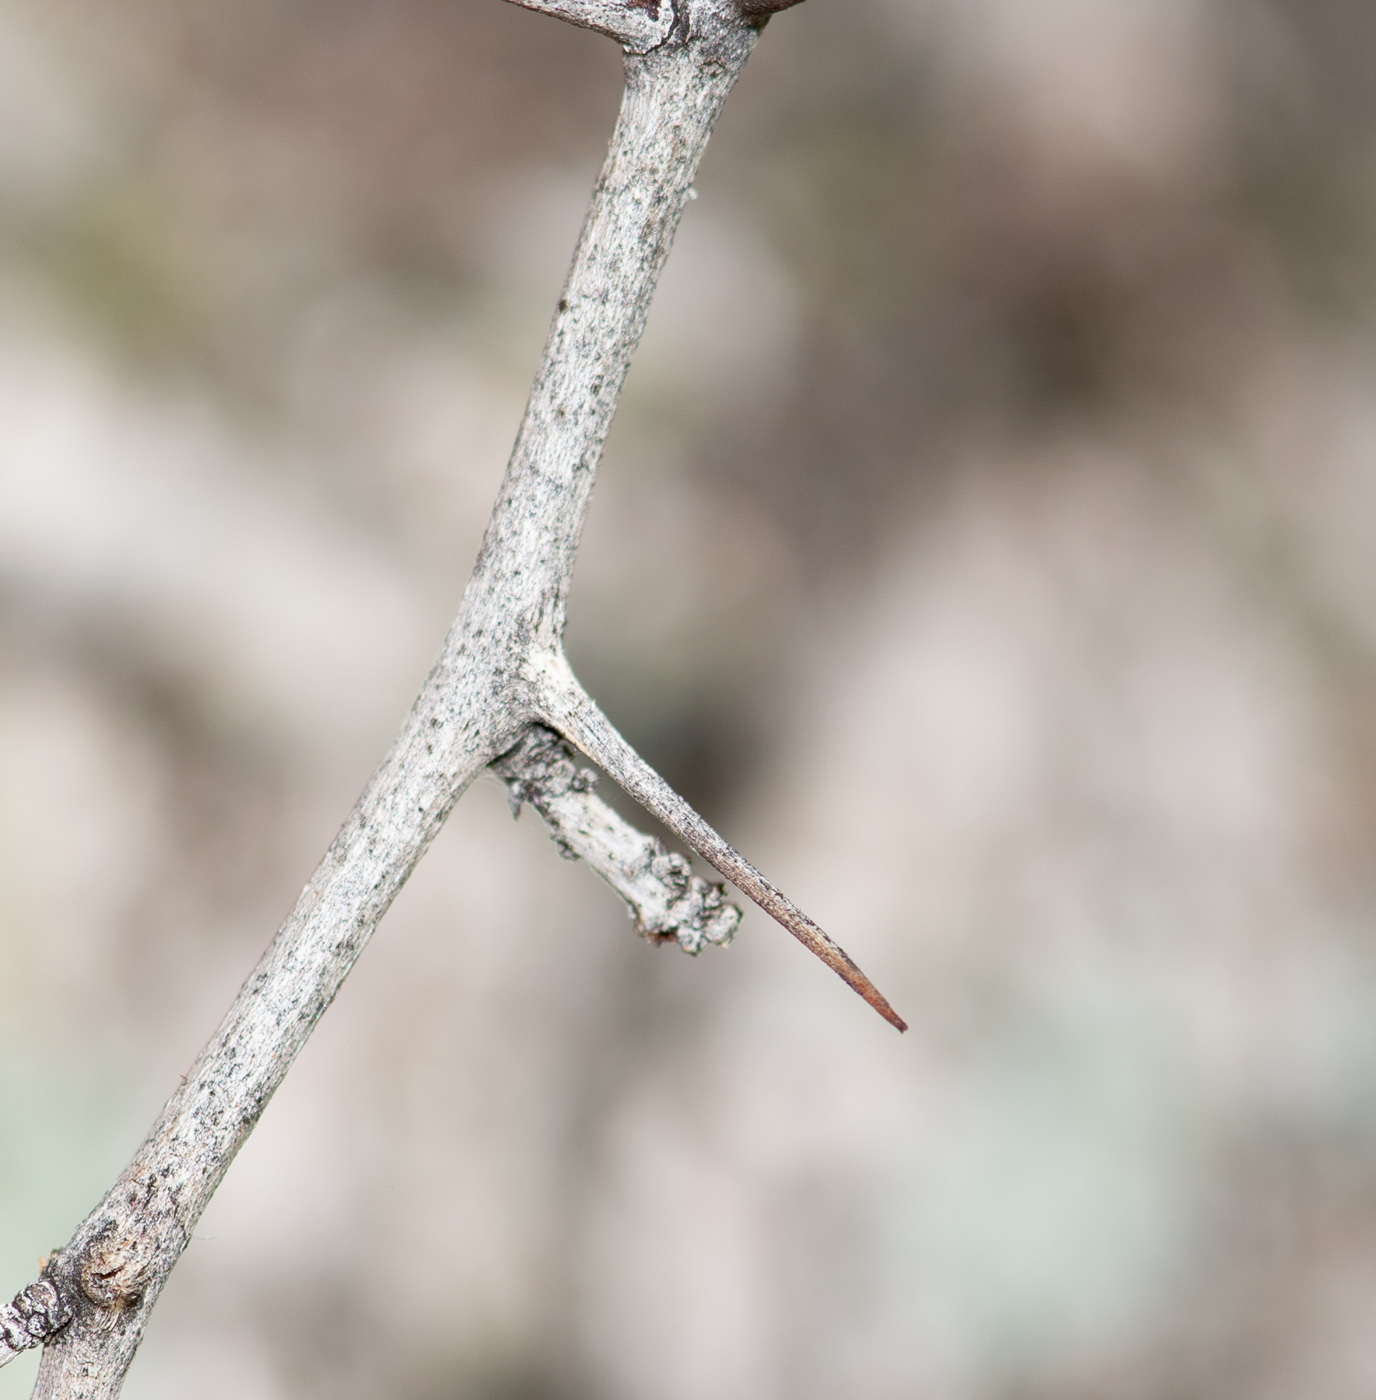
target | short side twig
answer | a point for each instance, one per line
(668, 902)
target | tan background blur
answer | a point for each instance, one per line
(987, 543)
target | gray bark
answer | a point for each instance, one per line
(38, 1312)
(499, 683)
(667, 901)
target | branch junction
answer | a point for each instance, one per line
(500, 693)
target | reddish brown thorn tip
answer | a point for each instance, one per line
(876, 999)
(783, 910)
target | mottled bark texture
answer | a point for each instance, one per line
(500, 686)
(37, 1313)
(668, 902)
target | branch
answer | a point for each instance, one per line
(500, 671)
(668, 902)
(638, 25)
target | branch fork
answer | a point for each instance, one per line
(637, 25)
(500, 694)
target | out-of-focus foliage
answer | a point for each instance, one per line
(987, 543)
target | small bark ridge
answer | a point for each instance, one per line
(36, 1313)
(762, 9)
(668, 902)
(119, 1261)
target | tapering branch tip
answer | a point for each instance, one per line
(638, 25)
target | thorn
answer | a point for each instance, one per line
(570, 710)
(815, 941)
(783, 911)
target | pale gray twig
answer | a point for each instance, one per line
(500, 671)
(638, 25)
(668, 902)
(36, 1313)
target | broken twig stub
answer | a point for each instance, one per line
(36, 1313)
(667, 901)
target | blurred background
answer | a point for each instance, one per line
(987, 545)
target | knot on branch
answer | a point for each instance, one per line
(36, 1313)
(668, 902)
(115, 1271)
